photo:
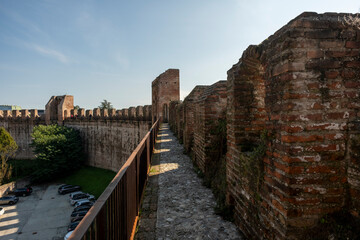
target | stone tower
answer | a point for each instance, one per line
(165, 88)
(58, 108)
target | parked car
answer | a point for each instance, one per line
(82, 208)
(68, 235)
(9, 200)
(2, 211)
(71, 195)
(84, 202)
(76, 194)
(72, 226)
(77, 216)
(81, 196)
(22, 191)
(63, 189)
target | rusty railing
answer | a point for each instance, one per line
(115, 213)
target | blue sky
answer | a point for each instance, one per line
(113, 50)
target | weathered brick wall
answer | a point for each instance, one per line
(189, 107)
(180, 121)
(108, 143)
(210, 109)
(302, 87)
(58, 108)
(165, 88)
(172, 116)
(20, 125)
(108, 136)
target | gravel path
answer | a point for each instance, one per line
(185, 208)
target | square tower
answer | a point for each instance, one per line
(165, 88)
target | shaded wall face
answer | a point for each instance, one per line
(302, 87)
(108, 144)
(209, 115)
(165, 88)
(189, 109)
(21, 130)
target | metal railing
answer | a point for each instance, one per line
(115, 213)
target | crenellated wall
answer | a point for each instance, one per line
(109, 137)
(293, 128)
(20, 124)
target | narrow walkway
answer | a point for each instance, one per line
(176, 204)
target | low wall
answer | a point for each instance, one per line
(6, 188)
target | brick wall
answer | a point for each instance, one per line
(210, 108)
(109, 143)
(20, 126)
(165, 88)
(301, 86)
(172, 116)
(109, 137)
(293, 127)
(189, 106)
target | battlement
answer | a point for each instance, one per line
(139, 113)
(24, 114)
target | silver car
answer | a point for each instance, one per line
(78, 197)
(9, 200)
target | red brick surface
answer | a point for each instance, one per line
(165, 88)
(300, 88)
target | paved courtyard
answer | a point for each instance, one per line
(43, 215)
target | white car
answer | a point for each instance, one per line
(84, 202)
(71, 195)
(68, 235)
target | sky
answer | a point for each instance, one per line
(113, 50)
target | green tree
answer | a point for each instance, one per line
(77, 107)
(105, 105)
(58, 150)
(8, 148)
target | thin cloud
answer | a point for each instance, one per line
(51, 53)
(25, 23)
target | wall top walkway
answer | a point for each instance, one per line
(185, 208)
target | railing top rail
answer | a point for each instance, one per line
(84, 225)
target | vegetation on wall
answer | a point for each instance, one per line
(252, 164)
(8, 148)
(215, 172)
(58, 150)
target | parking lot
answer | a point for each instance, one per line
(43, 215)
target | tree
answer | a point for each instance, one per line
(105, 105)
(77, 107)
(8, 148)
(58, 150)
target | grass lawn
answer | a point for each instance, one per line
(92, 180)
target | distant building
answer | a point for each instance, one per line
(9, 107)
